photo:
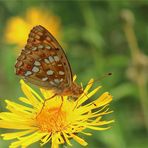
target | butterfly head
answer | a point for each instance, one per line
(76, 90)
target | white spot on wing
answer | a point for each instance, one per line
(46, 61)
(37, 63)
(61, 73)
(28, 73)
(59, 64)
(37, 37)
(40, 33)
(48, 47)
(52, 83)
(57, 81)
(40, 46)
(50, 72)
(51, 59)
(35, 69)
(45, 79)
(61, 79)
(34, 48)
(56, 58)
(28, 51)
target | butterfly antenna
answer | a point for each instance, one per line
(99, 79)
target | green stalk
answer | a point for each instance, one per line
(139, 61)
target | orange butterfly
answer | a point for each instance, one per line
(43, 62)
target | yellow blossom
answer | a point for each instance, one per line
(58, 122)
(18, 28)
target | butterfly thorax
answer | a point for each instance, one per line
(74, 90)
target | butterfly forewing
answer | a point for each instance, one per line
(43, 61)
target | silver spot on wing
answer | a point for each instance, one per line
(35, 69)
(47, 47)
(28, 73)
(61, 73)
(40, 46)
(37, 63)
(51, 59)
(56, 58)
(46, 61)
(50, 72)
(57, 81)
(45, 79)
(34, 48)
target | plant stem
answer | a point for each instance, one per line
(141, 79)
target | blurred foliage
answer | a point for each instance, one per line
(98, 37)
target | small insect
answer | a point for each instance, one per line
(43, 62)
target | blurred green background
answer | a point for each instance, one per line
(98, 37)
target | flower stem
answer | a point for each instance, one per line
(139, 61)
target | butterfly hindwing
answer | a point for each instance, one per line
(43, 61)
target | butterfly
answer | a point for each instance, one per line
(43, 62)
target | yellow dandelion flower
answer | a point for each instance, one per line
(18, 28)
(55, 123)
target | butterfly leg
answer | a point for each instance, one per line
(45, 102)
(75, 105)
(62, 99)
